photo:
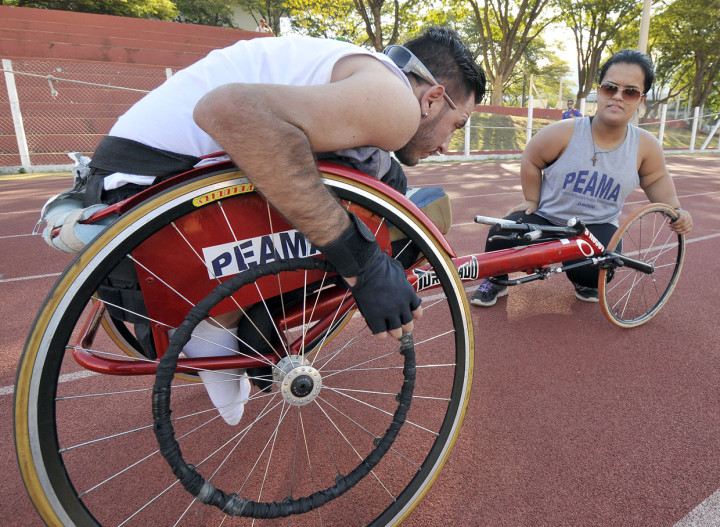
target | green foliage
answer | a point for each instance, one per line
(687, 38)
(595, 24)
(547, 70)
(271, 10)
(492, 131)
(326, 18)
(504, 31)
(371, 23)
(157, 9)
(507, 36)
(205, 12)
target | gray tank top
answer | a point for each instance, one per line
(573, 187)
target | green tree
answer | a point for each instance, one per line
(372, 13)
(205, 12)
(372, 23)
(271, 10)
(547, 70)
(157, 9)
(326, 18)
(687, 38)
(505, 29)
(669, 82)
(595, 23)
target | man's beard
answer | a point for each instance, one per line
(420, 144)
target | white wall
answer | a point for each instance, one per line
(243, 20)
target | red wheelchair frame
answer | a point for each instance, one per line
(576, 243)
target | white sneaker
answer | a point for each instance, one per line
(228, 389)
(228, 393)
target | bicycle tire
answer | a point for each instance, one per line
(630, 298)
(99, 473)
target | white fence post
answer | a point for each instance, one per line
(696, 113)
(16, 114)
(467, 136)
(663, 115)
(529, 117)
(710, 135)
(168, 73)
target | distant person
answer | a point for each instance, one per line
(586, 168)
(571, 111)
(264, 27)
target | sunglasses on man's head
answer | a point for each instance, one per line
(409, 63)
(629, 93)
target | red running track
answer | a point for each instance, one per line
(572, 420)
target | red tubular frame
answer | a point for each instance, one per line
(525, 258)
(334, 303)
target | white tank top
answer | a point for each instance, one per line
(163, 118)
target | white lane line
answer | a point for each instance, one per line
(9, 390)
(22, 278)
(626, 203)
(679, 196)
(703, 238)
(50, 275)
(706, 514)
(486, 195)
(698, 239)
(17, 235)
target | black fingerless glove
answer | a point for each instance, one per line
(382, 292)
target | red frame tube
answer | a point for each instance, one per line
(333, 304)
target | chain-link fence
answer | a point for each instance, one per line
(49, 108)
(504, 131)
(495, 131)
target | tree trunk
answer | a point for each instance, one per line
(496, 98)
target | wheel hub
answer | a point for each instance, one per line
(299, 382)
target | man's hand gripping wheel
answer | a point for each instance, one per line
(378, 283)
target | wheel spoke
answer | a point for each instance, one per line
(631, 297)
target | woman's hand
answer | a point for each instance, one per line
(527, 206)
(684, 223)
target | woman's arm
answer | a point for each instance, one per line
(657, 183)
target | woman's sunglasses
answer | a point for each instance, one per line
(629, 94)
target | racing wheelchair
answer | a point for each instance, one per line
(341, 428)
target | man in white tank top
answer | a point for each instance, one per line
(271, 104)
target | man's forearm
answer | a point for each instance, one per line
(277, 157)
(300, 196)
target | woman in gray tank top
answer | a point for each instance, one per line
(587, 167)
